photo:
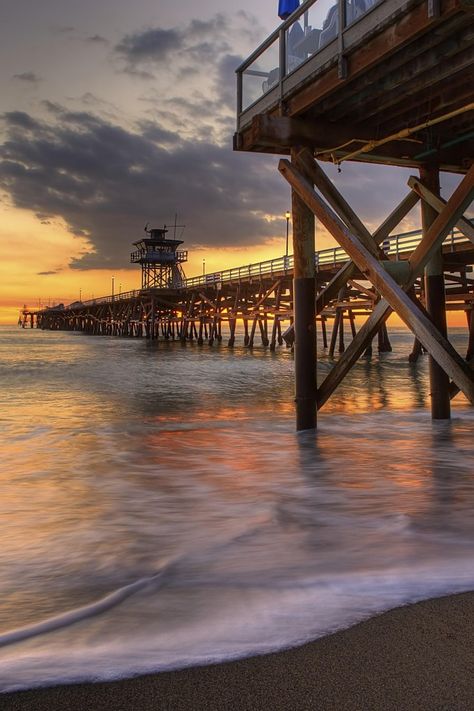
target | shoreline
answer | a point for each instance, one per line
(419, 656)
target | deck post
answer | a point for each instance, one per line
(304, 305)
(435, 300)
(152, 319)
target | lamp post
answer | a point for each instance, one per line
(287, 215)
(112, 314)
(203, 267)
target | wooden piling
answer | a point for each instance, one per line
(304, 305)
(324, 332)
(435, 300)
(470, 346)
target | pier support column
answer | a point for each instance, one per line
(152, 320)
(304, 305)
(435, 301)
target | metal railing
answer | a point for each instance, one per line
(395, 246)
(318, 28)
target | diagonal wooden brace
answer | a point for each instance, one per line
(334, 198)
(352, 221)
(396, 298)
(349, 269)
(350, 218)
(463, 225)
(432, 241)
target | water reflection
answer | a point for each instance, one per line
(119, 460)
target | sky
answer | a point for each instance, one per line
(118, 114)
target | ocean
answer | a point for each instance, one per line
(158, 509)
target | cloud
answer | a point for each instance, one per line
(20, 119)
(62, 29)
(193, 71)
(27, 77)
(151, 131)
(46, 273)
(195, 47)
(106, 181)
(52, 107)
(97, 39)
(153, 45)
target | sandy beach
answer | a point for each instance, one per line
(415, 657)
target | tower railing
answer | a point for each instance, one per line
(180, 255)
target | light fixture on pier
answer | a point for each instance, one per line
(287, 215)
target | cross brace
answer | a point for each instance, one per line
(355, 243)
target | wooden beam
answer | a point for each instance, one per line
(457, 204)
(436, 202)
(409, 26)
(353, 352)
(428, 70)
(287, 132)
(438, 346)
(380, 80)
(330, 193)
(304, 286)
(435, 301)
(349, 269)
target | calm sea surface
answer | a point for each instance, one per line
(158, 509)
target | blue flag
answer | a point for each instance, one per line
(286, 7)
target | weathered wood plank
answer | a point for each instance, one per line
(349, 269)
(465, 226)
(458, 203)
(286, 132)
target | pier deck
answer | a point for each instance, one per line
(386, 82)
(206, 308)
(381, 82)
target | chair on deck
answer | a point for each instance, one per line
(330, 27)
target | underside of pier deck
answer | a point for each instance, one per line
(404, 95)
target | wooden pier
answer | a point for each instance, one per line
(386, 82)
(206, 309)
(390, 83)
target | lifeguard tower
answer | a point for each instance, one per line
(160, 259)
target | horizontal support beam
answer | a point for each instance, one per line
(286, 132)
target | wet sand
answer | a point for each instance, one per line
(415, 657)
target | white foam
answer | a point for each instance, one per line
(217, 623)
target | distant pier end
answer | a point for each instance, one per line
(389, 83)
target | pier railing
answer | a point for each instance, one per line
(395, 246)
(318, 32)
